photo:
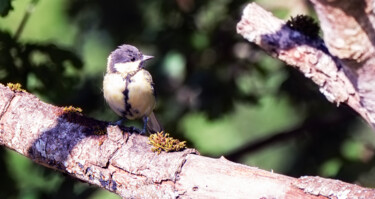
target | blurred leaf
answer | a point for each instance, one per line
(5, 7)
(40, 68)
(30, 178)
(277, 157)
(330, 168)
(199, 41)
(174, 66)
(352, 150)
(47, 23)
(211, 14)
(104, 194)
(247, 122)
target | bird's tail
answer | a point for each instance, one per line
(153, 124)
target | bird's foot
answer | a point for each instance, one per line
(145, 120)
(117, 123)
(130, 129)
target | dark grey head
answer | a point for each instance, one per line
(124, 54)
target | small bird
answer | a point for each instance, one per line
(128, 87)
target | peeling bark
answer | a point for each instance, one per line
(123, 163)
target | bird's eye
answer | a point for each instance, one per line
(132, 59)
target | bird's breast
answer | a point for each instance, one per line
(130, 96)
(140, 94)
(113, 87)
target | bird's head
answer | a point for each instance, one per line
(125, 59)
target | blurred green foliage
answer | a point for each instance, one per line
(215, 90)
(5, 7)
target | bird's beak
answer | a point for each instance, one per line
(146, 57)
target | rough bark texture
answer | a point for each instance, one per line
(348, 27)
(124, 163)
(346, 75)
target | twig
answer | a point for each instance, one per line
(309, 125)
(25, 18)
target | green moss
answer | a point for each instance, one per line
(162, 142)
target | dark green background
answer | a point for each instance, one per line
(215, 90)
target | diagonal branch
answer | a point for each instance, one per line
(349, 32)
(335, 80)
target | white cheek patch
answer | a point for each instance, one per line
(127, 67)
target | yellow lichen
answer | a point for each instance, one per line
(15, 87)
(71, 109)
(162, 142)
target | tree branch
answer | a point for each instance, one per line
(349, 32)
(124, 163)
(337, 81)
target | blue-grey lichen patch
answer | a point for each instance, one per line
(100, 176)
(104, 183)
(89, 173)
(80, 165)
(40, 147)
(114, 186)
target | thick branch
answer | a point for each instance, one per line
(335, 80)
(124, 163)
(347, 27)
(349, 32)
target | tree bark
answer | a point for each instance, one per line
(123, 163)
(342, 66)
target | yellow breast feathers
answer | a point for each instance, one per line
(130, 95)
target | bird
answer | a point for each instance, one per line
(128, 88)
